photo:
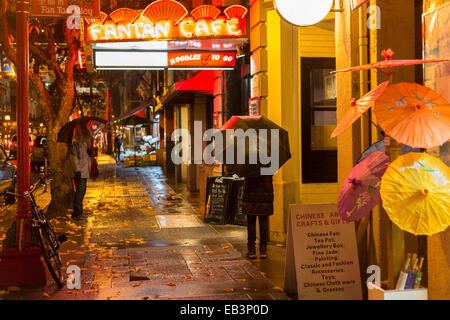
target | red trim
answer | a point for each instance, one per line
(139, 111)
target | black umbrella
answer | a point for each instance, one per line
(90, 126)
(253, 149)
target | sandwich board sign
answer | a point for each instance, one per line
(321, 255)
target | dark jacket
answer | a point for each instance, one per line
(257, 198)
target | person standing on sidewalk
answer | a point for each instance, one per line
(79, 155)
(257, 204)
(117, 146)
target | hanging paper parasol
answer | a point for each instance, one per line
(358, 107)
(389, 65)
(361, 190)
(414, 115)
(416, 193)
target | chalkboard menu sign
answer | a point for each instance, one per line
(218, 190)
(237, 216)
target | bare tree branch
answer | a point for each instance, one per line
(46, 59)
(4, 39)
(44, 96)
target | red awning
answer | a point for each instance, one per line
(184, 91)
(203, 82)
(138, 111)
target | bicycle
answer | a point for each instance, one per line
(49, 240)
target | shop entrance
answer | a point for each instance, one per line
(185, 53)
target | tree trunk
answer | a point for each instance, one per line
(61, 187)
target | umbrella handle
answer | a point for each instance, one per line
(375, 125)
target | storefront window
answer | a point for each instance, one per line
(319, 152)
(323, 109)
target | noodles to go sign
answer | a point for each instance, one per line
(168, 19)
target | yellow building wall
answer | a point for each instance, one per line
(439, 244)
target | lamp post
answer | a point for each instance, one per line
(23, 174)
(22, 265)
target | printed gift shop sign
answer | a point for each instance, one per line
(167, 19)
(322, 257)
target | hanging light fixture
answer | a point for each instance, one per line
(303, 13)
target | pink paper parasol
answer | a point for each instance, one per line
(361, 190)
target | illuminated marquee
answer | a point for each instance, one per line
(168, 19)
(116, 60)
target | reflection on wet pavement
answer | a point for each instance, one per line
(143, 240)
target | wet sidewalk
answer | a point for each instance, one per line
(144, 240)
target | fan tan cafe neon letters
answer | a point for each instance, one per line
(176, 23)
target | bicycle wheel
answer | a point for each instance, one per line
(49, 245)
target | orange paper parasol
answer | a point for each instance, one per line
(414, 115)
(389, 65)
(358, 108)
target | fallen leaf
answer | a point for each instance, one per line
(241, 280)
(136, 285)
(13, 288)
(145, 298)
(246, 289)
(137, 269)
(46, 295)
(278, 288)
(278, 245)
(226, 247)
(228, 290)
(171, 284)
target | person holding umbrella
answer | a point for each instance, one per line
(257, 204)
(258, 194)
(79, 157)
(117, 146)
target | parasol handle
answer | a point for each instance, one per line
(383, 134)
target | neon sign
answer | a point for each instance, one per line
(201, 59)
(168, 19)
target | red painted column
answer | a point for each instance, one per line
(22, 265)
(22, 116)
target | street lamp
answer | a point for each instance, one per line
(303, 13)
(7, 117)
